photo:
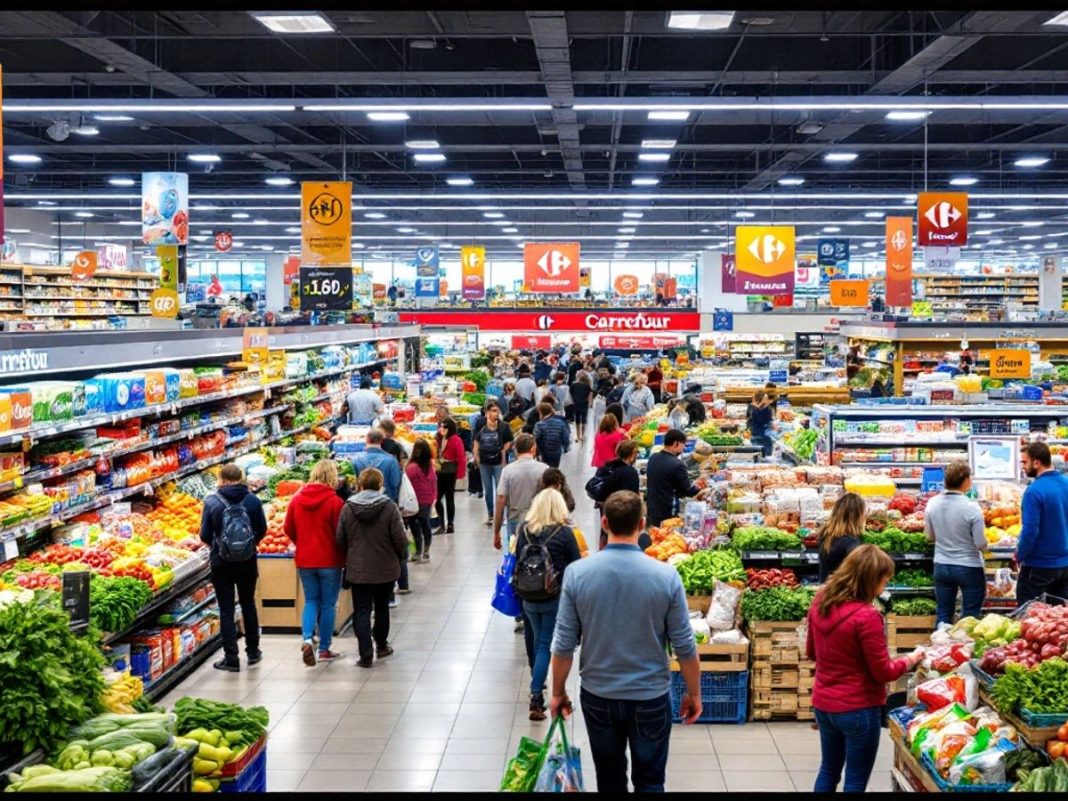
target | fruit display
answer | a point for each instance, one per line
(276, 541)
(122, 692)
(1040, 636)
(222, 733)
(802, 442)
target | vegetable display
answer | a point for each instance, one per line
(1053, 779)
(102, 779)
(893, 540)
(1057, 745)
(778, 603)
(766, 579)
(763, 538)
(914, 607)
(912, 578)
(114, 603)
(1041, 689)
(478, 378)
(249, 723)
(704, 568)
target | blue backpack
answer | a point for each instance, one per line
(237, 542)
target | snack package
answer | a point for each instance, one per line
(983, 767)
(945, 745)
(947, 658)
(731, 637)
(926, 725)
(723, 613)
(957, 688)
(701, 633)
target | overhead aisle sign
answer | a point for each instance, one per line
(898, 261)
(326, 223)
(764, 259)
(943, 218)
(427, 272)
(551, 267)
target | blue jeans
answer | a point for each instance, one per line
(322, 585)
(542, 618)
(491, 477)
(613, 725)
(971, 581)
(849, 739)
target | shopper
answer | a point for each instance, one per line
(553, 436)
(562, 393)
(655, 379)
(841, 533)
(545, 526)
(542, 368)
(625, 607)
(954, 523)
(544, 394)
(511, 403)
(364, 404)
(231, 525)
(517, 488)
(620, 475)
(576, 364)
(679, 417)
(615, 395)
(847, 640)
(490, 446)
(878, 387)
(389, 444)
(420, 471)
(525, 386)
(667, 480)
(554, 478)
(581, 391)
(374, 456)
(1042, 550)
(311, 524)
(371, 535)
(759, 416)
(452, 467)
(604, 383)
(608, 436)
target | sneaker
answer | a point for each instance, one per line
(364, 663)
(425, 557)
(393, 603)
(307, 652)
(330, 656)
(255, 658)
(537, 707)
(405, 591)
(519, 627)
(449, 529)
(384, 651)
(489, 521)
(439, 531)
(229, 667)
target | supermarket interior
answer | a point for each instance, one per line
(533, 400)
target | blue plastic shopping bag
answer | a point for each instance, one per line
(504, 597)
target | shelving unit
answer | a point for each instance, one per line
(950, 292)
(31, 294)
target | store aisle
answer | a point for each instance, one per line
(446, 711)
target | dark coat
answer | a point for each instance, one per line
(211, 521)
(371, 535)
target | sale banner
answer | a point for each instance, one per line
(626, 284)
(325, 288)
(764, 260)
(849, 292)
(551, 267)
(326, 223)
(165, 208)
(1010, 363)
(473, 272)
(898, 261)
(726, 266)
(290, 270)
(84, 266)
(168, 266)
(112, 257)
(943, 218)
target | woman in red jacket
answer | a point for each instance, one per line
(608, 436)
(311, 523)
(853, 666)
(452, 461)
(420, 471)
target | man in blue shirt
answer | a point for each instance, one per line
(625, 607)
(1042, 551)
(364, 404)
(374, 456)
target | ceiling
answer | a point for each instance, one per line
(546, 113)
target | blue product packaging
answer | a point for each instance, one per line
(94, 396)
(173, 381)
(392, 380)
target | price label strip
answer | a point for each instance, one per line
(325, 288)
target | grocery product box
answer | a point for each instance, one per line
(120, 392)
(128, 429)
(155, 388)
(188, 383)
(172, 380)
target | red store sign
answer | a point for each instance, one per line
(531, 342)
(639, 342)
(595, 320)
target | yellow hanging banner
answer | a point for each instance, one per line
(326, 223)
(168, 266)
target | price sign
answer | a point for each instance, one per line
(76, 598)
(849, 293)
(325, 288)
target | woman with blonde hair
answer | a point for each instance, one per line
(847, 640)
(545, 526)
(841, 533)
(311, 523)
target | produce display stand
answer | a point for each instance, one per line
(248, 774)
(724, 684)
(905, 633)
(782, 678)
(280, 597)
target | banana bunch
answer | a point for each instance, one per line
(121, 693)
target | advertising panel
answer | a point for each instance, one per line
(551, 267)
(165, 208)
(764, 260)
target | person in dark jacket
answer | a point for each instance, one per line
(604, 383)
(667, 480)
(581, 390)
(841, 533)
(371, 534)
(621, 475)
(389, 444)
(760, 414)
(552, 435)
(228, 577)
(554, 478)
(542, 368)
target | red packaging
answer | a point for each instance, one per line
(21, 409)
(127, 430)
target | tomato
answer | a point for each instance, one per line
(1055, 748)
(1062, 733)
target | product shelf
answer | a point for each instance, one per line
(182, 669)
(178, 588)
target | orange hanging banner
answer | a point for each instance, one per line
(84, 266)
(898, 261)
(853, 292)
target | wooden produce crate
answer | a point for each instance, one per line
(699, 603)
(720, 658)
(775, 641)
(1036, 736)
(775, 678)
(908, 773)
(280, 597)
(780, 705)
(904, 633)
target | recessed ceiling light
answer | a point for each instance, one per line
(788, 181)
(744, 215)
(423, 44)
(840, 157)
(700, 21)
(875, 215)
(633, 215)
(204, 158)
(870, 244)
(239, 215)
(46, 203)
(644, 181)
(278, 181)
(492, 215)
(374, 215)
(985, 215)
(1060, 19)
(831, 229)
(260, 222)
(422, 144)
(1028, 247)
(86, 130)
(1031, 161)
(85, 214)
(122, 181)
(963, 181)
(662, 144)
(24, 158)
(293, 23)
(907, 116)
(459, 181)
(358, 246)
(112, 118)
(669, 116)
(996, 242)
(626, 230)
(654, 157)
(429, 157)
(510, 230)
(388, 116)
(405, 230)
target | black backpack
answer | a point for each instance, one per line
(237, 542)
(599, 484)
(489, 444)
(535, 577)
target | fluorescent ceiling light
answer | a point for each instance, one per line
(122, 181)
(45, 203)
(669, 116)
(510, 230)
(374, 215)
(205, 206)
(422, 144)
(293, 229)
(644, 181)
(662, 144)
(1028, 247)
(791, 181)
(875, 215)
(840, 157)
(1050, 245)
(24, 158)
(293, 22)
(626, 230)
(239, 215)
(907, 116)
(870, 244)
(429, 157)
(459, 181)
(86, 130)
(84, 214)
(633, 215)
(405, 230)
(1030, 237)
(654, 157)
(278, 181)
(1031, 161)
(831, 229)
(492, 215)
(204, 158)
(112, 118)
(1033, 224)
(1060, 19)
(700, 21)
(744, 215)
(388, 116)
(963, 181)
(985, 215)
(984, 232)
(260, 222)
(500, 222)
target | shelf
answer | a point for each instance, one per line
(190, 612)
(182, 669)
(901, 443)
(177, 589)
(115, 313)
(885, 465)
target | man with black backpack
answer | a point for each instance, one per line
(232, 525)
(489, 448)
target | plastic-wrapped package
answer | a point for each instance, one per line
(729, 637)
(947, 657)
(982, 768)
(723, 612)
(701, 632)
(957, 688)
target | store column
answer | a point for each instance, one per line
(275, 287)
(712, 294)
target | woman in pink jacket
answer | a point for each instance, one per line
(420, 471)
(608, 435)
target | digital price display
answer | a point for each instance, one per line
(325, 288)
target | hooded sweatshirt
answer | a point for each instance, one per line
(853, 664)
(371, 535)
(211, 521)
(311, 523)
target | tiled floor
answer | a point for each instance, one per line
(446, 711)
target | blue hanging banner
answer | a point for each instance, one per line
(832, 256)
(427, 261)
(723, 321)
(427, 287)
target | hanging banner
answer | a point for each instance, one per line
(224, 240)
(1010, 363)
(722, 321)
(112, 257)
(603, 321)
(427, 261)
(164, 303)
(165, 208)
(727, 275)
(1, 155)
(764, 260)
(473, 272)
(585, 280)
(671, 288)
(551, 266)
(898, 261)
(428, 287)
(938, 258)
(326, 223)
(849, 292)
(379, 291)
(168, 266)
(290, 270)
(443, 288)
(832, 257)
(626, 284)
(84, 266)
(943, 218)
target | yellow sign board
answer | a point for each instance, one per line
(921, 308)
(164, 303)
(168, 266)
(326, 223)
(1010, 363)
(851, 292)
(254, 345)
